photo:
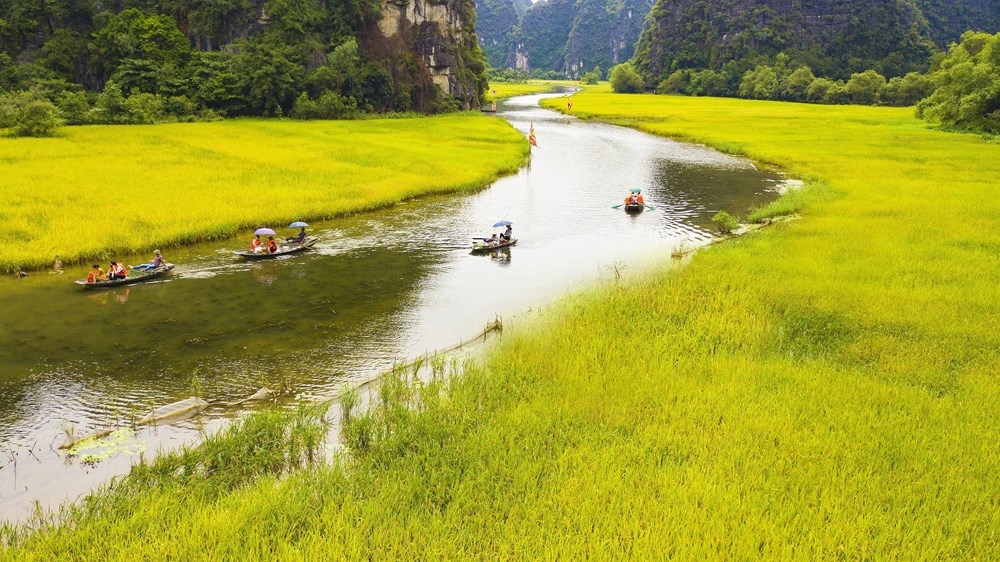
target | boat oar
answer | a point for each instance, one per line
(650, 207)
(616, 206)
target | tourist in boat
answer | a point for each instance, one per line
(256, 246)
(155, 263)
(97, 273)
(506, 234)
(634, 198)
(272, 246)
(298, 239)
(117, 271)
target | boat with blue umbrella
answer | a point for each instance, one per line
(504, 239)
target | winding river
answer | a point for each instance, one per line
(377, 289)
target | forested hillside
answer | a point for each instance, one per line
(949, 19)
(834, 38)
(246, 57)
(568, 37)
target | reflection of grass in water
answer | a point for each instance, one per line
(180, 183)
(824, 388)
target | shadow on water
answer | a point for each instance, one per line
(377, 289)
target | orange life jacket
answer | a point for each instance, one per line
(255, 243)
(272, 246)
(91, 277)
(118, 271)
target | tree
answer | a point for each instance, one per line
(795, 86)
(824, 90)
(760, 83)
(625, 80)
(29, 114)
(865, 87)
(967, 96)
(907, 90)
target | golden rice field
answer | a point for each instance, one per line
(822, 389)
(503, 90)
(96, 191)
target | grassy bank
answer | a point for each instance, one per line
(822, 389)
(95, 191)
(503, 90)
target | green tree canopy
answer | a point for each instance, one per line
(967, 94)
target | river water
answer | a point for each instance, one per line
(377, 289)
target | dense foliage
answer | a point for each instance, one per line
(949, 19)
(556, 39)
(968, 86)
(834, 39)
(204, 58)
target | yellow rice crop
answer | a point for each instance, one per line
(100, 190)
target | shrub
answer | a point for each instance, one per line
(625, 80)
(29, 114)
(725, 222)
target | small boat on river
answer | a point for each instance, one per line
(634, 207)
(283, 249)
(136, 276)
(483, 246)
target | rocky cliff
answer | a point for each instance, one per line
(442, 33)
(833, 37)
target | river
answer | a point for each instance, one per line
(377, 289)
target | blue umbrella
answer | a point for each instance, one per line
(264, 231)
(502, 223)
(297, 224)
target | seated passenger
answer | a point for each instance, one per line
(117, 271)
(272, 246)
(97, 274)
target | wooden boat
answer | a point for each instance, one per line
(481, 247)
(284, 248)
(634, 207)
(134, 276)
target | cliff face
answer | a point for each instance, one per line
(442, 33)
(833, 37)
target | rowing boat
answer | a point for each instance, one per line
(634, 207)
(483, 247)
(283, 249)
(136, 276)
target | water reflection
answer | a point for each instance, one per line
(376, 289)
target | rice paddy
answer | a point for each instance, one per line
(824, 388)
(97, 191)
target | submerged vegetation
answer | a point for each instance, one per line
(102, 190)
(823, 388)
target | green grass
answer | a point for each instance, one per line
(97, 191)
(503, 90)
(824, 388)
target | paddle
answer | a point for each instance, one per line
(650, 207)
(616, 206)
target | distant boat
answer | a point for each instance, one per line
(135, 276)
(283, 249)
(481, 247)
(634, 207)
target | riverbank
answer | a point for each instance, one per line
(99, 191)
(822, 388)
